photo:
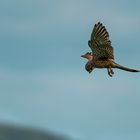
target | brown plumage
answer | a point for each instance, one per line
(102, 52)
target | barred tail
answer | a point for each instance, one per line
(124, 68)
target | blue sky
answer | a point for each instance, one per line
(43, 81)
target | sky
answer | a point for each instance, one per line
(43, 82)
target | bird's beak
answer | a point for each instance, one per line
(83, 56)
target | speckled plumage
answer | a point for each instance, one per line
(99, 43)
(102, 52)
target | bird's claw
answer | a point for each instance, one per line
(110, 72)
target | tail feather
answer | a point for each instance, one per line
(125, 68)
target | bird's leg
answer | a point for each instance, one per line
(110, 71)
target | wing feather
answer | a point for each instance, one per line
(100, 43)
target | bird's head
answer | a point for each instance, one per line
(88, 56)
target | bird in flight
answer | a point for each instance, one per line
(102, 55)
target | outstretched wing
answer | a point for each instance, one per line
(100, 43)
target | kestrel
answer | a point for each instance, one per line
(102, 52)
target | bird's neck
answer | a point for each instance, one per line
(91, 61)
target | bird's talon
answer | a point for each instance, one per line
(110, 75)
(111, 70)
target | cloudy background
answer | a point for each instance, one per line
(43, 83)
